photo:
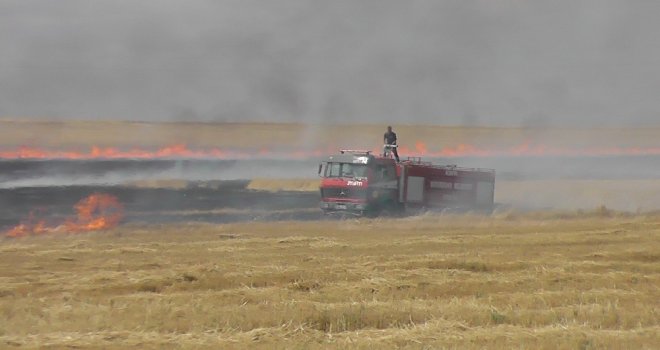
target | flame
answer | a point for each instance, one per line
(181, 151)
(97, 212)
(176, 151)
(172, 151)
(526, 149)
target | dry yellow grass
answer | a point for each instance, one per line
(535, 281)
(629, 195)
(84, 134)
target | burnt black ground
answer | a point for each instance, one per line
(42, 173)
(107, 172)
(228, 203)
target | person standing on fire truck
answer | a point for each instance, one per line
(390, 140)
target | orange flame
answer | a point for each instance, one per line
(525, 150)
(175, 151)
(97, 212)
(420, 149)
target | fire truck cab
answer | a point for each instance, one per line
(359, 183)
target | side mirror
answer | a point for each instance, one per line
(320, 168)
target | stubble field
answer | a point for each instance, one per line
(576, 280)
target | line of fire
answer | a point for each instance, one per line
(420, 149)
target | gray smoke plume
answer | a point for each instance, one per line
(488, 62)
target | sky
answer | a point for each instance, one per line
(460, 62)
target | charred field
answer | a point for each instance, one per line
(152, 191)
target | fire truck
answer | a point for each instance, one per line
(359, 183)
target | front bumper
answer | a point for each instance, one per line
(342, 206)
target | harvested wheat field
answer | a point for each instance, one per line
(550, 280)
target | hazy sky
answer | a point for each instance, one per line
(488, 62)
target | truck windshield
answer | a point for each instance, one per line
(346, 170)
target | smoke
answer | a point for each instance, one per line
(17, 174)
(488, 62)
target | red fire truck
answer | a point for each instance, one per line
(357, 182)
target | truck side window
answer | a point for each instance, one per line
(389, 173)
(384, 173)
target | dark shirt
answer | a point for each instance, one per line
(390, 138)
